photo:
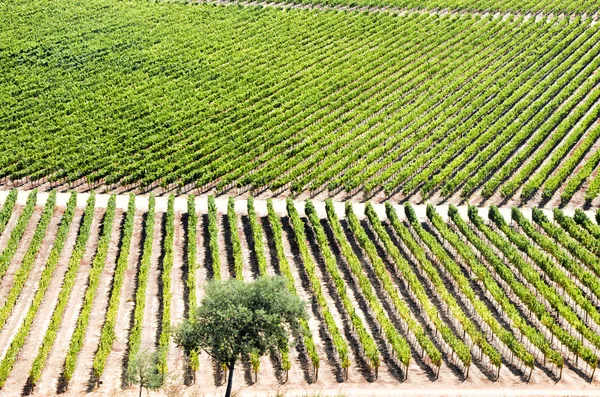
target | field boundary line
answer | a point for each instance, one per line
(396, 10)
(279, 205)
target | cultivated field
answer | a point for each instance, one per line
(450, 149)
(588, 8)
(433, 106)
(398, 298)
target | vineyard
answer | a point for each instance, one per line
(423, 174)
(190, 98)
(521, 7)
(397, 294)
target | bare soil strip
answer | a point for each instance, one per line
(175, 357)
(151, 320)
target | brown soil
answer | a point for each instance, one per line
(175, 357)
(151, 321)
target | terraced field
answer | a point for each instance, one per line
(402, 297)
(175, 97)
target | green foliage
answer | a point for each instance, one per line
(452, 268)
(580, 237)
(236, 245)
(28, 261)
(236, 319)
(495, 290)
(97, 267)
(192, 251)
(534, 278)
(286, 272)
(17, 233)
(167, 266)
(257, 238)
(554, 273)
(59, 242)
(213, 235)
(551, 246)
(143, 371)
(396, 341)
(339, 343)
(135, 335)
(384, 277)
(367, 112)
(582, 219)
(107, 335)
(455, 343)
(366, 340)
(65, 291)
(7, 209)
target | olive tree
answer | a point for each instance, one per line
(143, 371)
(235, 319)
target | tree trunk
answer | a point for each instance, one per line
(230, 381)
(140, 390)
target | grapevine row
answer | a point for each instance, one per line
(107, 335)
(20, 337)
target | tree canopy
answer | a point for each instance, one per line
(235, 319)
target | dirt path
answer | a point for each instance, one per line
(16, 382)
(175, 358)
(249, 270)
(48, 382)
(83, 371)
(111, 379)
(270, 253)
(151, 319)
(222, 227)
(201, 255)
(23, 303)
